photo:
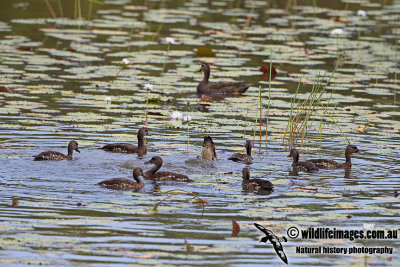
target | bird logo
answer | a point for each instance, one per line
(275, 241)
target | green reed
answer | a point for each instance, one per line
(245, 123)
(53, 14)
(301, 121)
(255, 124)
(269, 101)
(166, 58)
(60, 8)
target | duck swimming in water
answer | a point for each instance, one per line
(332, 165)
(53, 155)
(245, 158)
(306, 166)
(154, 174)
(141, 149)
(208, 88)
(125, 184)
(254, 184)
(208, 149)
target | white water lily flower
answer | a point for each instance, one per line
(125, 61)
(337, 31)
(170, 40)
(362, 13)
(368, 226)
(187, 118)
(107, 99)
(176, 115)
(148, 86)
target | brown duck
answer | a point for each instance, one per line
(208, 149)
(332, 165)
(254, 184)
(208, 88)
(141, 149)
(53, 155)
(154, 174)
(125, 184)
(245, 158)
(306, 166)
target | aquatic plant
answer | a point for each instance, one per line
(187, 119)
(176, 115)
(148, 87)
(197, 199)
(269, 100)
(170, 41)
(298, 126)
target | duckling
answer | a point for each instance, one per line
(332, 165)
(254, 184)
(245, 158)
(125, 184)
(207, 88)
(153, 173)
(141, 149)
(297, 165)
(53, 155)
(208, 149)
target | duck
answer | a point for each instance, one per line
(329, 164)
(208, 149)
(123, 183)
(53, 155)
(207, 88)
(245, 158)
(297, 165)
(141, 149)
(255, 184)
(154, 174)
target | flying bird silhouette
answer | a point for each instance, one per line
(275, 241)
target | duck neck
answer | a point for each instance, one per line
(246, 176)
(206, 75)
(140, 140)
(248, 150)
(296, 158)
(348, 158)
(70, 151)
(155, 168)
(137, 179)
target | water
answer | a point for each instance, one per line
(62, 71)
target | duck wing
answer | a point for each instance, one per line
(227, 87)
(50, 155)
(325, 163)
(171, 176)
(120, 148)
(239, 157)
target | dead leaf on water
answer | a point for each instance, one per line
(235, 228)
(362, 128)
(15, 202)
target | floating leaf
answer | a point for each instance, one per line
(204, 52)
(235, 228)
(15, 202)
(189, 248)
(5, 89)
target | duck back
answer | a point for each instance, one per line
(121, 184)
(50, 155)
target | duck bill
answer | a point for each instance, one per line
(77, 150)
(148, 162)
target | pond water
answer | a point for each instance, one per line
(64, 66)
